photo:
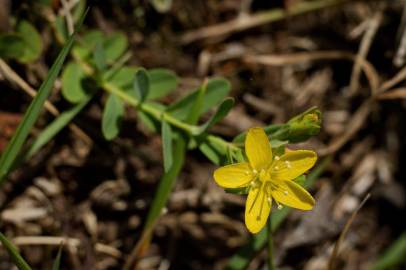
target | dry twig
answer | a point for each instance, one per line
(344, 233)
(252, 20)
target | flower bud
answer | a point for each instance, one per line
(305, 125)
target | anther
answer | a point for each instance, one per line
(277, 158)
(247, 172)
(254, 171)
(288, 164)
(280, 206)
(276, 168)
(285, 192)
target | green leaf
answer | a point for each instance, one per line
(217, 90)
(141, 84)
(57, 263)
(87, 43)
(99, 57)
(194, 113)
(112, 117)
(221, 112)
(11, 46)
(124, 79)
(151, 123)
(166, 183)
(32, 39)
(13, 252)
(75, 86)
(91, 38)
(162, 82)
(61, 29)
(115, 46)
(167, 145)
(245, 254)
(54, 128)
(210, 152)
(278, 143)
(394, 257)
(31, 115)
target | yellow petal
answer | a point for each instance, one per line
(234, 175)
(257, 209)
(258, 149)
(293, 195)
(292, 164)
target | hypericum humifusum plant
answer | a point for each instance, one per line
(268, 178)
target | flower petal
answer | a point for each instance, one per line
(257, 209)
(234, 175)
(258, 149)
(293, 164)
(293, 195)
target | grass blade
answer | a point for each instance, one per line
(31, 115)
(167, 181)
(12, 251)
(394, 256)
(54, 128)
(57, 263)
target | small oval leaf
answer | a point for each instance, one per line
(33, 42)
(112, 117)
(162, 82)
(74, 87)
(217, 90)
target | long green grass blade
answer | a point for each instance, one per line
(12, 251)
(394, 256)
(244, 256)
(31, 115)
(167, 182)
(57, 263)
(54, 128)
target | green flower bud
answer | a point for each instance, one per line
(305, 125)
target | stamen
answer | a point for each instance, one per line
(269, 199)
(279, 205)
(277, 158)
(276, 168)
(285, 192)
(288, 164)
(247, 172)
(254, 171)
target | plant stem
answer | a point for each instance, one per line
(271, 265)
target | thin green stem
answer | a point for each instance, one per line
(151, 110)
(271, 265)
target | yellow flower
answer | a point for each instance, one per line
(268, 178)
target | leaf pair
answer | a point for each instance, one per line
(25, 44)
